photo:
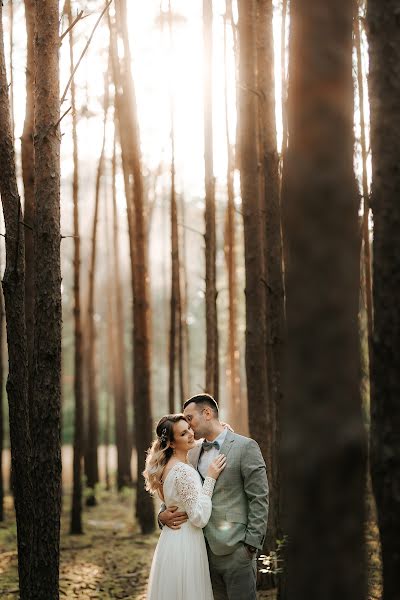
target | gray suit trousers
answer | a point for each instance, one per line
(233, 576)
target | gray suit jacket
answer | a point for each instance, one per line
(240, 499)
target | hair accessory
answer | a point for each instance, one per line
(163, 436)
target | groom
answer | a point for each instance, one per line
(239, 516)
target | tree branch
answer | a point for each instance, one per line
(84, 51)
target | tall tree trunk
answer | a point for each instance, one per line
(270, 186)
(91, 451)
(253, 227)
(46, 406)
(141, 332)
(13, 288)
(365, 221)
(123, 442)
(184, 357)
(11, 44)
(384, 80)
(175, 332)
(323, 438)
(109, 363)
(233, 362)
(284, 19)
(76, 508)
(27, 160)
(212, 363)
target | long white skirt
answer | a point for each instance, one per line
(180, 568)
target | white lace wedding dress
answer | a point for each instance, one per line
(180, 565)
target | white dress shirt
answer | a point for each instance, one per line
(207, 456)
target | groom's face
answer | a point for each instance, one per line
(194, 414)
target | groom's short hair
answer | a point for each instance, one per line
(203, 400)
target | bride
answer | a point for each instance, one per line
(180, 564)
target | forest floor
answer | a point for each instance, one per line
(112, 559)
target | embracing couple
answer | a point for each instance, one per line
(215, 507)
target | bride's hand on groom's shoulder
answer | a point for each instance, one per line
(173, 518)
(227, 426)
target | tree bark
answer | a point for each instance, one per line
(46, 405)
(175, 332)
(141, 332)
(233, 356)
(384, 81)
(123, 442)
(76, 508)
(27, 160)
(323, 438)
(91, 451)
(212, 362)
(275, 310)
(17, 381)
(253, 227)
(364, 155)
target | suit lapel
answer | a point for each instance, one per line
(227, 445)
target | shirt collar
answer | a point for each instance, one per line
(221, 438)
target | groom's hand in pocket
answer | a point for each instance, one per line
(172, 518)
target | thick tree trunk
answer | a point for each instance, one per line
(253, 228)
(76, 508)
(27, 160)
(323, 437)
(212, 362)
(384, 80)
(91, 451)
(123, 442)
(141, 332)
(233, 356)
(46, 405)
(17, 382)
(275, 311)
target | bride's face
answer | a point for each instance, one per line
(183, 437)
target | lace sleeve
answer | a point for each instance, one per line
(196, 500)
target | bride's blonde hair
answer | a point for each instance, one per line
(160, 452)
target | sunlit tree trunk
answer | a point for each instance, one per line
(175, 332)
(109, 364)
(185, 339)
(233, 364)
(284, 19)
(92, 437)
(323, 436)
(76, 508)
(212, 364)
(17, 382)
(141, 331)
(11, 64)
(46, 405)
(270, 190)
(29, 192)
(364, 155)
(384, 82)
(123, 442)
(253, 228)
